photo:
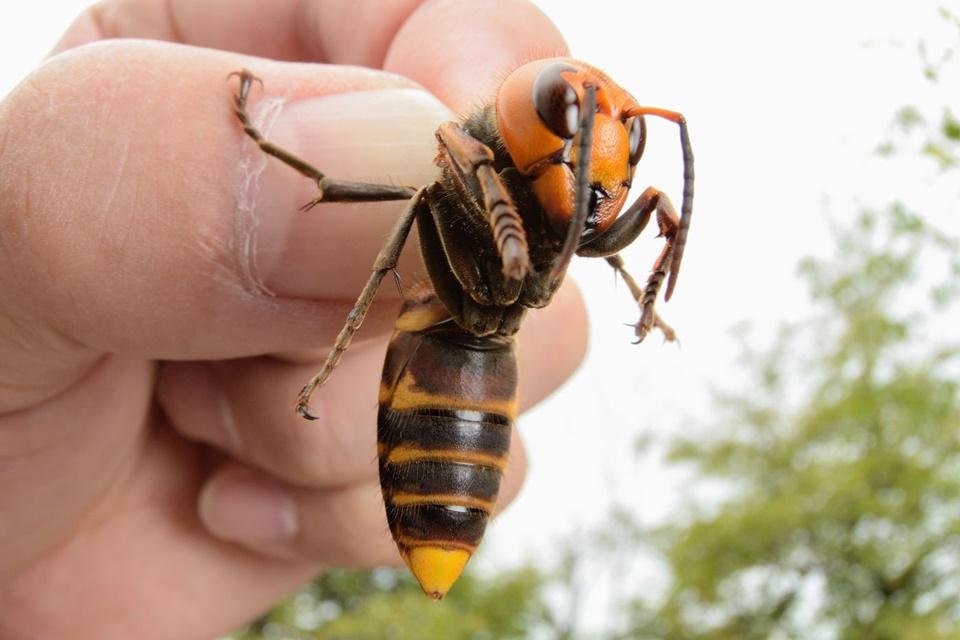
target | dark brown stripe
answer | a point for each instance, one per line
(464, 430)
(432, 477)
(428, 523)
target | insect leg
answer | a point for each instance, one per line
(468, 156)
(386, 261)
(331, 190)
(624, 231)
(686, 205)
(649, 318)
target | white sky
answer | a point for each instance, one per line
(786, 103)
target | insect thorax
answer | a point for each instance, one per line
(543, 243)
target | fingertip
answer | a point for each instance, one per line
(552, 344)
(384, 136)
(462, 51)
(343, 526)
(251, 509)
(514, 474)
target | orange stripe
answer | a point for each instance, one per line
(385, 393)
(403, 454)
(406, 397)
(441, 499)
(421, 317)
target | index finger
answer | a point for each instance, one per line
(174, 243)
(458, 50)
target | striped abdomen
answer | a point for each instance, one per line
(447, 404)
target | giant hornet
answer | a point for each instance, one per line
(526, 182)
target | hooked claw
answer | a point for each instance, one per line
(310, 205)
(648, 320)
(303, 403)
(643, 326)
(246, 80)
(304, 412)
(318, 200)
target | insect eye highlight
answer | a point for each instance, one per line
(637, 136)
(556, 101)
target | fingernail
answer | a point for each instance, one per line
(384, 136)
(254, 511)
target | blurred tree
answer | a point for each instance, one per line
(839, 464)
(388, 605)
(940, 140)
(841, 515)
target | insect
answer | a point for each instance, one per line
(538, 175)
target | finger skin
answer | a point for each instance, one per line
(434, 48)
(142, 566)
(169, 237)
(344, 526)
(133, 241)
(243, 408)
(60, 458)
(315, 31)
(335, 451)
(96, 158)
(460, 51)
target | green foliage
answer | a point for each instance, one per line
(950, 126)
(839, 466)
(941, 142)
(841, 516)
(388, 605)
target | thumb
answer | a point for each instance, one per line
(136, 218)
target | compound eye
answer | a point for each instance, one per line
(556, 101)
(637, 138)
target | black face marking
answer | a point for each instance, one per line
(637, 132)
(597, 196)
(556, 100)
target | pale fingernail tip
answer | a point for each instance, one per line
(248, 511)
(386, 121)
(379, 136)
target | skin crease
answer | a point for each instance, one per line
(180, 500)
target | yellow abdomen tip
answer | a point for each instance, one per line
(436, 568)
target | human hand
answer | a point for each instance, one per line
(138, 224)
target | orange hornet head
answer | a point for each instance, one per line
(538, 114)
